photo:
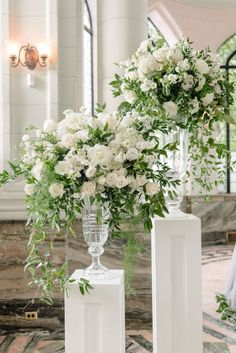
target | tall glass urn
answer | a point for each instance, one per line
(95, 231)
(177, 161)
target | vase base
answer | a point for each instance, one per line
(98, 272)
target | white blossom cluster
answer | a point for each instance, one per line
(179, 80)
(85, 155)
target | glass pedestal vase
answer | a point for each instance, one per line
(177, 161)
(95, 232)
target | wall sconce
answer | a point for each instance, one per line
(28, 55)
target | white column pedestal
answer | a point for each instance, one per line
(95, 322)
(176, 285)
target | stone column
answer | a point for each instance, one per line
(122, 25)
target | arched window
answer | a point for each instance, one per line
(227, 55)
(88, 59)
(153, 31)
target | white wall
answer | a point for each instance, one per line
(58, 87)
(203, 23)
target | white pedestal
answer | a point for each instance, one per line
(176, 285)
(95, 322)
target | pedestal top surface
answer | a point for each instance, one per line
(113, 277)
(188, 217)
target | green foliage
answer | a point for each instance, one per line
(227, 313)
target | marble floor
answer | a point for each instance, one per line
(218, 336)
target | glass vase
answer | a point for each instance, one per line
(177, 161)
(95, 232)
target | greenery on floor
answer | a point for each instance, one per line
(227, 313)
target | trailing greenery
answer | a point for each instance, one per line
(108, 159)
(227, 313)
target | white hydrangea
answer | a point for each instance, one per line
(147, 85)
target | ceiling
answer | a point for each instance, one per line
(199, 3)
(207, 3)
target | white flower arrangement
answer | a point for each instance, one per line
(107, 158)
(180, 86)
(178, 81)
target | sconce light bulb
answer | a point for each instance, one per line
(13, 48)
(43, 49)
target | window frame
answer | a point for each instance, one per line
(227, 67)
(91, 33)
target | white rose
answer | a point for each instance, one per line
(131, 75)
(56, 190)
(69, 140)
(176, 55)
(75, 121)
(122, 171)
(90, 172)
(161, 54)
(37, 170)
(152, 188)
(29, 189)
(82, 135)
(121, 182)
(63, 168)
(141, 180)
(183, 65)
(201, 66)
(207, 99)
(132, 154)
(106, 118)
(99, 155)
(171, 108)
(130, 96)
(49, 126)
(88, 188)
(111, 179)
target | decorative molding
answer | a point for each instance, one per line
(12, 205)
